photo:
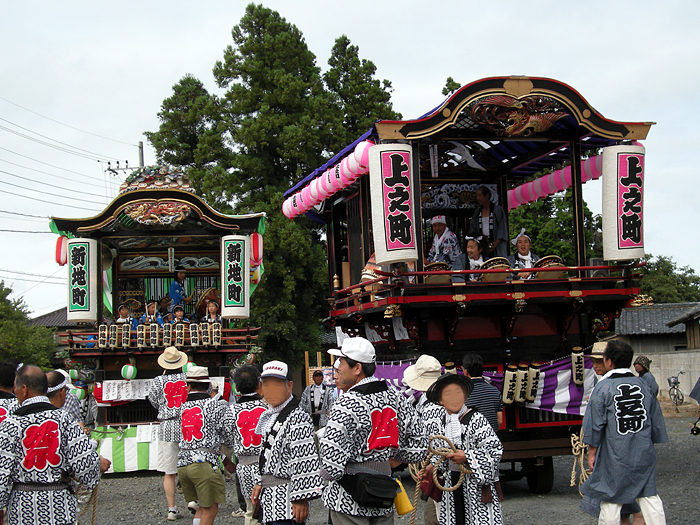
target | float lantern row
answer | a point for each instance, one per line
(329, 182)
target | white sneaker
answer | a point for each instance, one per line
(193, 507)
(238, 513)
(172, 516)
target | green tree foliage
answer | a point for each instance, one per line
(358, 98)
(667, 283)
(277, 122)
(275, 104)
(450, 86)
(31, 344)
(193, 136)
(550, 224)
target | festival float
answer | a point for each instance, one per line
(127, 256)
(524, 138)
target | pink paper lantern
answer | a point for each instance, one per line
(362, 155)
(296, 204)
(314, 191)
(353, 165)
(323, 194)
(287, 208)
(512, 203)
(345, 175)
(519, 198)
(550, 184)
(537, 188)
(567, 176)
(525, 191)
(559, 180)
(336, 181)
(306, 196)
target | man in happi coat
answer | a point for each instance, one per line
(370, 428)
(206, 424)
(167, 394)
(247, 447)
(41, 449)
(8, 400)
(289, 465)
(317, 399)
(623, 421)
(445, 246)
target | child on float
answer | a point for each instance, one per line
(212, 313)
(124, 317)
(476, 253)
(179, 313)
(478, 448)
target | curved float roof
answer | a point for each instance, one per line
(159, 212)
(517, 125)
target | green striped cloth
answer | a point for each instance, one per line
(127, 454)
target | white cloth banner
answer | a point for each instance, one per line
(394, 211)
(623, 209)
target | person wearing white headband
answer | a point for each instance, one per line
(445, 248)
(523, 257)
(472, 260)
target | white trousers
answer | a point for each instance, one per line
(652, 509)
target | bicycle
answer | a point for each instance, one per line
(674, 393)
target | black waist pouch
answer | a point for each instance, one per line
(370, 490)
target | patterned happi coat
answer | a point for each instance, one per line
(292, 456)
(37, 445)
(206, 424)
(8, 404)
(168, 393)
(623, 421)
(483, 450)
(448, 250)
(368, 428)
(246, 414)
(307, 402)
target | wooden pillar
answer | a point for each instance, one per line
(577, 205)
(503, 203)
(418, 211)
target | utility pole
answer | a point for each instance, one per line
(140, 154)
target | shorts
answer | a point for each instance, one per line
(167, 457)
(202, 482)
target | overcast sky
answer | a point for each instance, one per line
(105, 68)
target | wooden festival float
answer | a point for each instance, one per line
(524, 138)
(128, 255)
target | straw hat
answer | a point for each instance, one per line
(172, 358)
(424, 373)
(597, 350)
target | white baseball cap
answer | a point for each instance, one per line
(356, 348)
(276, 369)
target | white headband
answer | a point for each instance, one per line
(475, 239)
(57, 387)
(521, 234)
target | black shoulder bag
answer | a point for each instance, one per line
(366, 488)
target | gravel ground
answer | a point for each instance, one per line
(139, 498)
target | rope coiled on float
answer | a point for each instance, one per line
(417, 470)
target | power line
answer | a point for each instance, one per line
(42, 192)
(49, 202)
(98, 155)
(51, 185)
(37, 284)
(21, 231)
(32, 274)
(66, 125)
(47, 164)
(23, 214)
(53, 174)
(30, 281)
